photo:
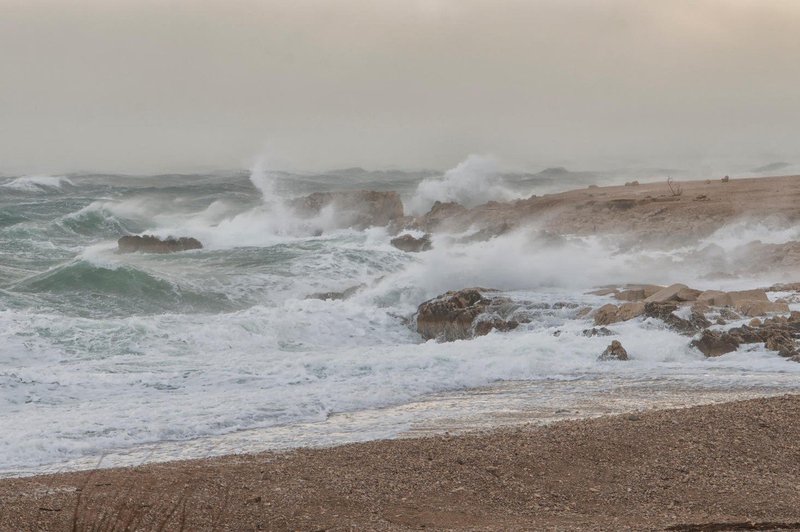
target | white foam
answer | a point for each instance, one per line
(474, 181)
(36, 183)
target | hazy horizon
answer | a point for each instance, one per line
(172, 86)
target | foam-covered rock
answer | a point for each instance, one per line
(153, 244)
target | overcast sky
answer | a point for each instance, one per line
(150, 86)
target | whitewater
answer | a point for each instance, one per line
(222, 349)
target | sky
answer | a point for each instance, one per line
(154, 86)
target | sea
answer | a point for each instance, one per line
(119, 359)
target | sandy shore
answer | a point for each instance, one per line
(701, 468)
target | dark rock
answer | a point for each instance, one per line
(715, 343)
(411, 244)
(665, 312)
(615, 351)
(598, 331)
(463, 314)
(153, 244)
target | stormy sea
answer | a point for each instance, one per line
(290, 331)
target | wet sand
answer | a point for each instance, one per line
(715, 467)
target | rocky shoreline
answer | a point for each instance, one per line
(701, 315)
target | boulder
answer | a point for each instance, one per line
(615, 351)
(760, 308)
(715, 343)
(747, 295)
(360, 208)
(606, 315)
(411, 244)
(675, 292)
(463, 314)
(610, 313)
(666, 313)
(715, 298)
(153, 244)
(637, 292)
(628, 311)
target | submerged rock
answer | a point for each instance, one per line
(594, 331)
(344, 294)
(153, 244)
(411, 244)
(360, 208)
(615, 351)
(463, 314)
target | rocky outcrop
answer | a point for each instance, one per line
(663, 303)
(463, 314)
(153, 244)
(777, 334)
(615, 351)
(359, 209)
(411, 244)
(439, 213)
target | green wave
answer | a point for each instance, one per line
(84, 289)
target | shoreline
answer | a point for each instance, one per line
(732, 462)
(498, 406)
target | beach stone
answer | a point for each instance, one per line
(153, 244)
(615, 351)
(464, 314)
(411, 244)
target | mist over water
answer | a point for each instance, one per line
(101, 351)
